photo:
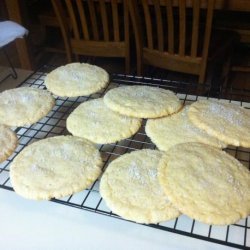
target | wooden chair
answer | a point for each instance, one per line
(97, 28)
(238, 22)
(176, 37)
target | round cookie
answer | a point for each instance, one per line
(24, 106)
(228, 122)
(131, 189)
(55, 167)
(205, 183)
(8, 142)
(76, 79)
(174, 129)
(95, 122)
(142, 101)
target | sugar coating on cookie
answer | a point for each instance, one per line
(174, 129)
(55, 167)
(8, 142)
(99, 124)
(131, 189)
(228, 122)
(76, 79)
(142, 101)
(205, 183)
(24, 106)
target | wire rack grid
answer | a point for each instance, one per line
(236, 235)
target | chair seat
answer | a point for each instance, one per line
(10, 31)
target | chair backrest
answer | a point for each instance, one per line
(179, 29)
(101, 24)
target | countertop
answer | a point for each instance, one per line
(27, 224)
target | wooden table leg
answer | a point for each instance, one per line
(22, 45)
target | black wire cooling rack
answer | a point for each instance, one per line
(236, 235)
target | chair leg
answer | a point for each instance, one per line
(14, 73)
(76, 58)
(202, 77)
(226, 72)
(139, 68)
(127, 65)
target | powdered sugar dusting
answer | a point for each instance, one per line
(230, 179)
(135, 173)
(28, 98)
(140, 174)
(152, 172)
(80, 73)
(34, 168)
(235, 184)
(228, 113)
(10, 99)
(142, 93)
